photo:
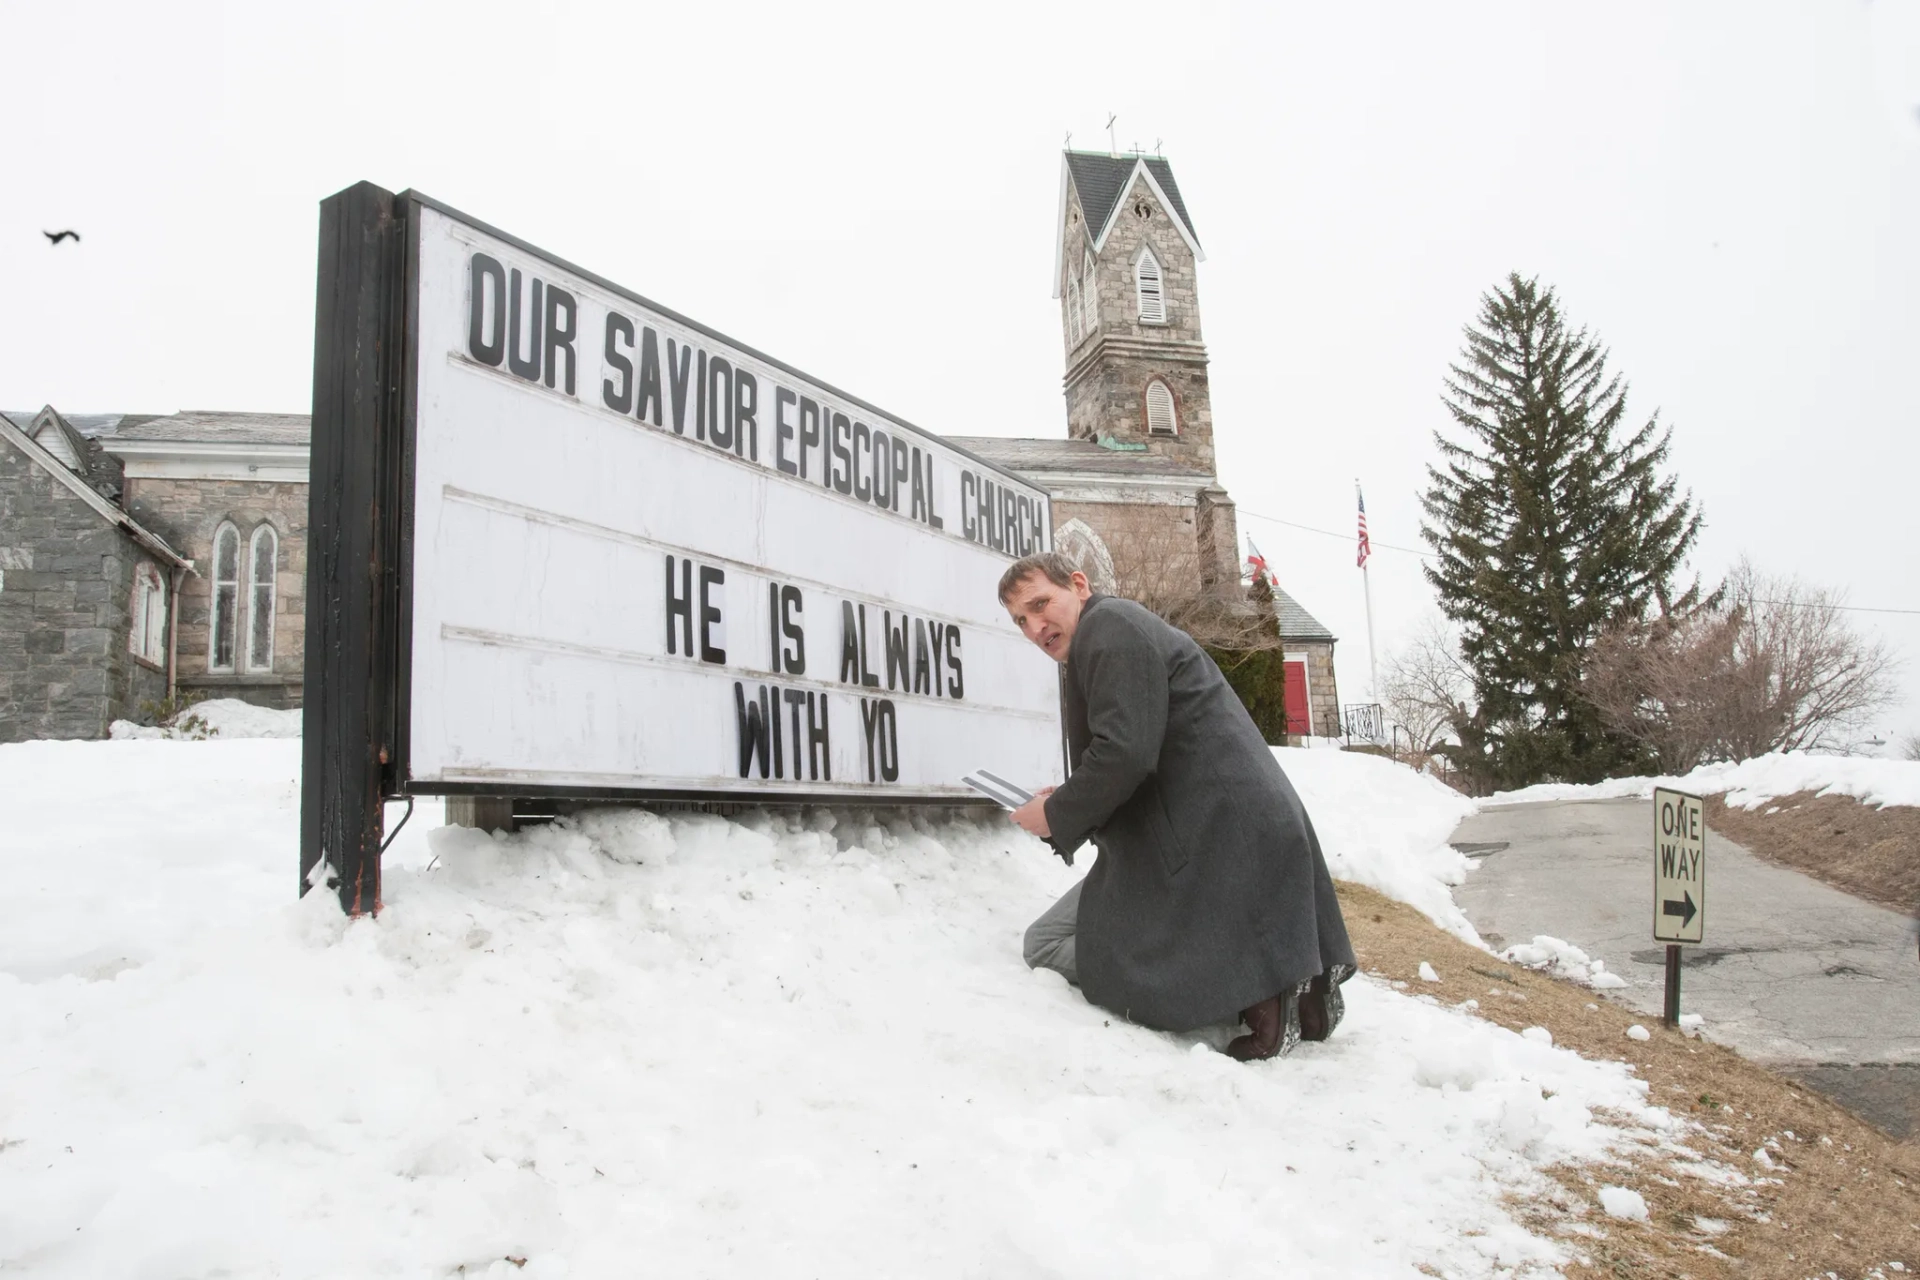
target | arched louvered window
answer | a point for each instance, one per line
(262, 554)
(147, 637)
(1147, 288)
(1160, 416)
(1073, 308)
(1090, 293)
(224, 621)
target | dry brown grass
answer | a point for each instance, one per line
(1842, 1196)
(1868, 852)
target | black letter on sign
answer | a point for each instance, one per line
(790, 606)
(648, 409)
(796, 699)
(753, 722)
(842, 467)
(882, 470)
(810, 437)
(966, 506)
(619, 400)
(559, 336)
(896, 643)
(479, 346)
(678, 359)
(680, 605)
(903, 468)
(921, 669)
(882, 726)
(849, 645)
(746, 409)
(819, 749)
(720, 411)
(957, 685)
(710, 578)
(783, 400)
(862, 487)
(528, 368)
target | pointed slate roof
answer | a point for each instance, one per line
(1102, 179)
(1296, 623)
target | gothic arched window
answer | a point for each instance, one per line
(1147, 288)
(1161, 419)
(147, 637)
(224, 621)
(1089, 294)
(262, 553)
(1073, 308)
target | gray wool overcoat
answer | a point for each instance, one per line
(1209, 893)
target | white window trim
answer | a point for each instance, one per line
(1173, 407)
(267, 533)
(147, 634)
(1140, 294)
(214, 583)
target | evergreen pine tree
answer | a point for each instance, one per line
(1550, 518)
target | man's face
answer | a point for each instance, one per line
(1046, 612)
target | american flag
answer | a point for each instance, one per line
(1366, 547)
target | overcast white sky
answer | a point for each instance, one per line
(1729, 195)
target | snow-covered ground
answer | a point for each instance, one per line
(1751, 783)
(700, 1047)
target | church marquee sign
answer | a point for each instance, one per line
(568, 543)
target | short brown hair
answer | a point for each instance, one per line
(1057, 566)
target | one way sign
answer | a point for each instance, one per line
(1679, 867)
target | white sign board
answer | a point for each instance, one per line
(1679, 867)
(645, 558)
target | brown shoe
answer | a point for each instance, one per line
(1275, 1027)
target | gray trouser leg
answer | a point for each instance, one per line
(1049, 942)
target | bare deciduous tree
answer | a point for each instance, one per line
(1157, 564)
(1910, 747)
(1771, 664)
(1426, 688)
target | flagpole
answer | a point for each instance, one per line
(1366, 585)
(1373, 664)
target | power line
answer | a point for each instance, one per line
(1344, 537)
(1428, 555)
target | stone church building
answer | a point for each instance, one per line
(1136, 499)
(146, 555)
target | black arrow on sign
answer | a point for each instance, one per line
(1684, 909)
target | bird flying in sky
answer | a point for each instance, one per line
(55, 237)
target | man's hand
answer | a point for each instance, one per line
(1032, 816)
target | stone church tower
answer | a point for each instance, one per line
(1130, 309)
(1135, 497)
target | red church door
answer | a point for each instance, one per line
(1299, 715)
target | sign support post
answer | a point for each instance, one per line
(1679, 882)
(355, 523)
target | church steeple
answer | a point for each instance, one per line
(1136, 367)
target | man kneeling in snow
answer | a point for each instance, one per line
(1209, 900)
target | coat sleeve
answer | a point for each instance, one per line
(1124, 684)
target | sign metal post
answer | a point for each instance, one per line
(1679, 882)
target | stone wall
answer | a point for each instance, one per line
(66, 603)
(187, 513)
(1155, 546)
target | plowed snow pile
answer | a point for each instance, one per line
(697, 1047)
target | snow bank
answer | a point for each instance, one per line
(1386, 826)
(218, 718)
(1751, 783)
(696, 1047)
